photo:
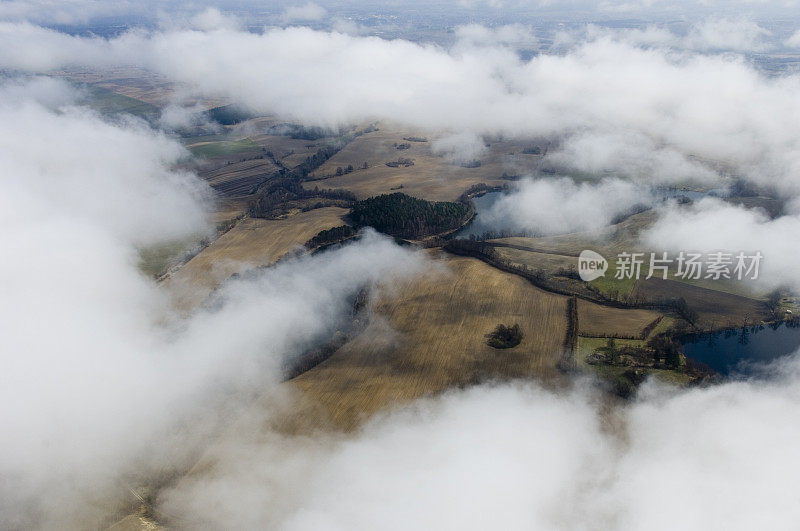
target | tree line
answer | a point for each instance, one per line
(331, 236)
(486, 252)
(280, 194)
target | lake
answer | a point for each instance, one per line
(477, 227)
(734, 352)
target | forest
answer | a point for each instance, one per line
(404, 216)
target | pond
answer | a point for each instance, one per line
(477, 226)
(739, 352)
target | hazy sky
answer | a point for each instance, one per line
(419, 14)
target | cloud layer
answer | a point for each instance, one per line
(554, 206)
(662, 111)
(101, 383)
(516, 457)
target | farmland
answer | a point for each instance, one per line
(400, 265)
(720, 304)
(430, 336)
(434, 177)
(597, 320)
(250, 243)
(519, 312)
(716, 309)
(239, 179)
(222, 147)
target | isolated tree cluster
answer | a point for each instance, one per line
(505, 336)
(404, 216)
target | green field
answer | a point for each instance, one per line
(590, 344)
(613, 288)
(614, 373)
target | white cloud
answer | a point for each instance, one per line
(177, 117)
(79, 195)
(793, 41)
(75, 183)
(60, 11)
(477, 34)
(708, 35)
(553, 206)
(101, 383)
(345, 25)
(212, 19)
(711, 225)
(516, 457)
(675, 107)
(649, 36)
(630, 155)
(460, 147)
(737, 34)
(309, 12)
(49, 92)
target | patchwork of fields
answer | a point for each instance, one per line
(436, 177)
(429, 335)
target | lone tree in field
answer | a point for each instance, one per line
(773, 302)
(505, 336)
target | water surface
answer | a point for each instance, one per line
(477, 226)
(739, 352)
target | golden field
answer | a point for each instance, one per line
(250, 243)
(434, 177)
(597, 320)
(428, 336)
